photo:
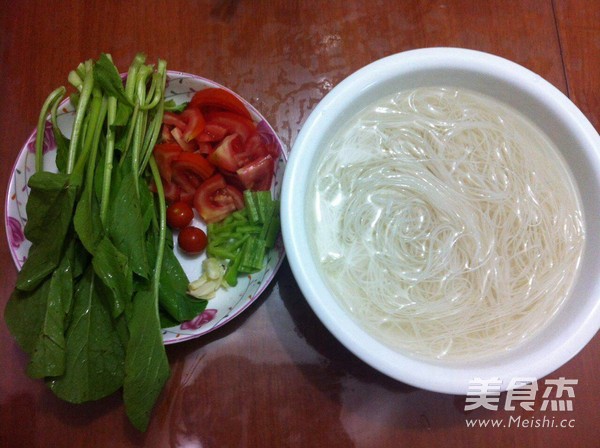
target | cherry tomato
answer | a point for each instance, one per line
(179, 215)
(192, 240)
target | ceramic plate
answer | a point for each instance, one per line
(229, 302)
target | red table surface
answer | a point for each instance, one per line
(274, 376)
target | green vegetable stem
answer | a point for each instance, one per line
(101, 276)
(243, 238)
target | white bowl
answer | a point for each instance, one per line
(579, 318)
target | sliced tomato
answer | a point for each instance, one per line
(187, 196)
(165, 133)
(188, 170)
(220, 98)
(194, 123)
(192, 164)
(185, 145)
(172, 119)
(224, 156)
(254, 148)
(233, 123)
(205, 148)
(232, 179)
(164, 154)
(172, 192)
(212, 133)
(215, 199)
(257, 175)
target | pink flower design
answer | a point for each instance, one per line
(15, 232)
(49, 141)
(199, 320)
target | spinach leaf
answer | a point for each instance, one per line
(45, 203)
(108, 78)
(146, 363)
(62, 149)
(49, 210)
(85, 307)
(48, 356)
(174, 301)
(87, 220)
(173, 291)
(112, 267)
(24, 315)
(94, 354)
(127, 226)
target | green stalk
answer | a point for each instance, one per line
(58, 135)
(53, 99)
(86, 91)
(162, 209)
(92, 122)
(131, 82)
(152, 136)
(157, 89)
(108, 161)
(140, 123)
(75, 80)
(138, 136)
(156, 124)
(95, 145)
(131, 128)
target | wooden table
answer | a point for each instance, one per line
(275, 377)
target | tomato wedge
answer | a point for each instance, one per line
(189, 170)
(204, 148)
(224, 156)
(233, 123)
(165, 133)
(172, 192)
(185, 145)
(172, 119)
(215, 199)
(257, 175)
(253, 149)
(212, 133)
(164, 154)
(194, 123)
(192, 164)
(220, 98)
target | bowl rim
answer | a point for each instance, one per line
(444, 378)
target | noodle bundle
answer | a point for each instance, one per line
(446, 224)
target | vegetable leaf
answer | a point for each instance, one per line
(48, 357)
(112, 267)
(94, 353)
(49, 209)
(107, 76)
(146, 363)
(24, 315)
(127, 226)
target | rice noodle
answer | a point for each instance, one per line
(446, 224)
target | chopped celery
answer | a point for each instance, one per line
(251, 206)
(272, 232)
(265, 205)
(252, 256)
(232, 271)
(243, 238)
